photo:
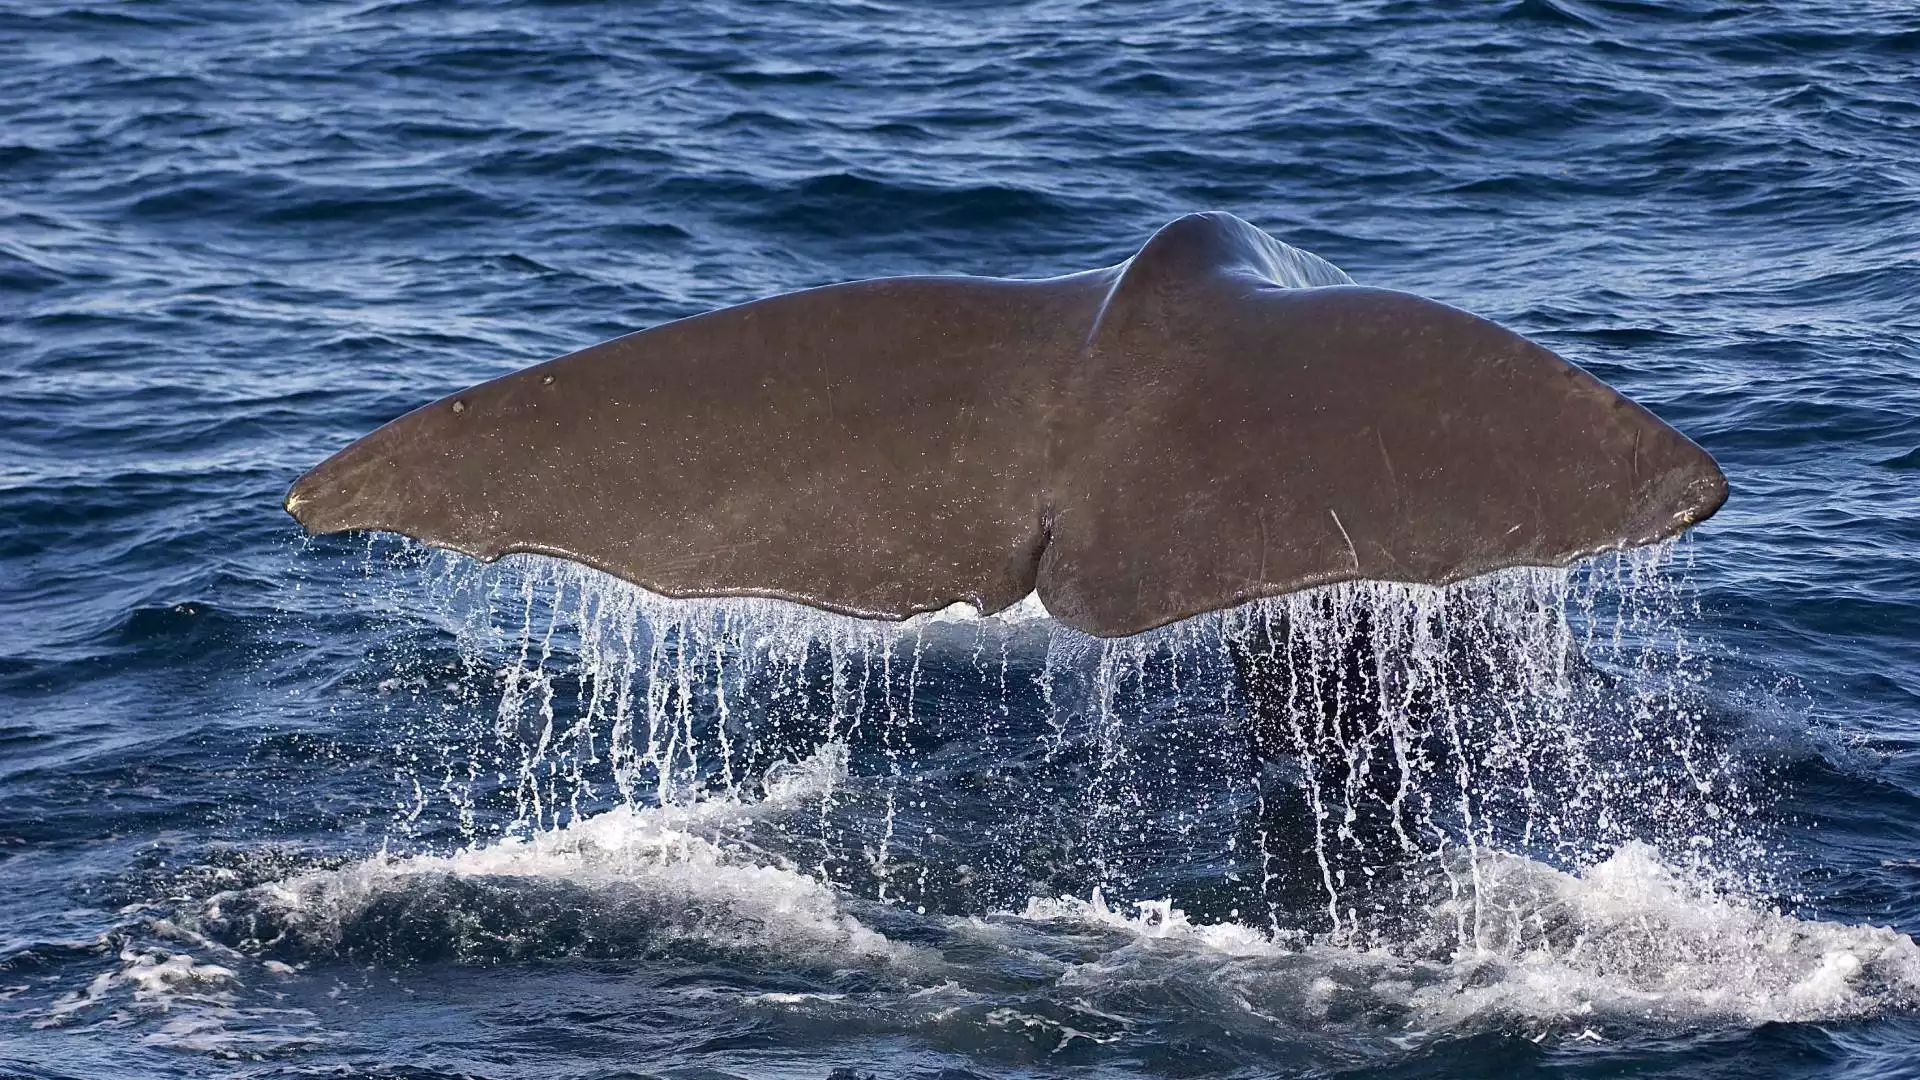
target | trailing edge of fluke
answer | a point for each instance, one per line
(1220, 418)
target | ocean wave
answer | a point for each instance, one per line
(1630, 940)
(622, 883)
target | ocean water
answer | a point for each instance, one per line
(346, 807)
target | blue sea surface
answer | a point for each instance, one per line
(272, 806)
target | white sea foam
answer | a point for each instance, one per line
(1632, 939)
(1154, 920)
(159, 978)
(196, 1005)
(645, 875)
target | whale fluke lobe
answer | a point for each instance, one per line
(1220, 418)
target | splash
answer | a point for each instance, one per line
(1323, 758)
(1366, 812)
(625, 882)
(1551, 712)
(1631, 940)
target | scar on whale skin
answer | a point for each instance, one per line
(1138, 444)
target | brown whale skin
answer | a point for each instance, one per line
(1219, 418)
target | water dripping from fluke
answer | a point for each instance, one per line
(1445, 775)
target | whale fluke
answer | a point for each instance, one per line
(1221, 417)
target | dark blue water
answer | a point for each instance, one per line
(271, 807)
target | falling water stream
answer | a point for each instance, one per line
(1410, 739)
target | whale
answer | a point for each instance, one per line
(1220, 418)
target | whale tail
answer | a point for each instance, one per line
(1219, 418)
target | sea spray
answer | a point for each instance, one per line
(1375, 809)
(1546, 711)
(1388, 735)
